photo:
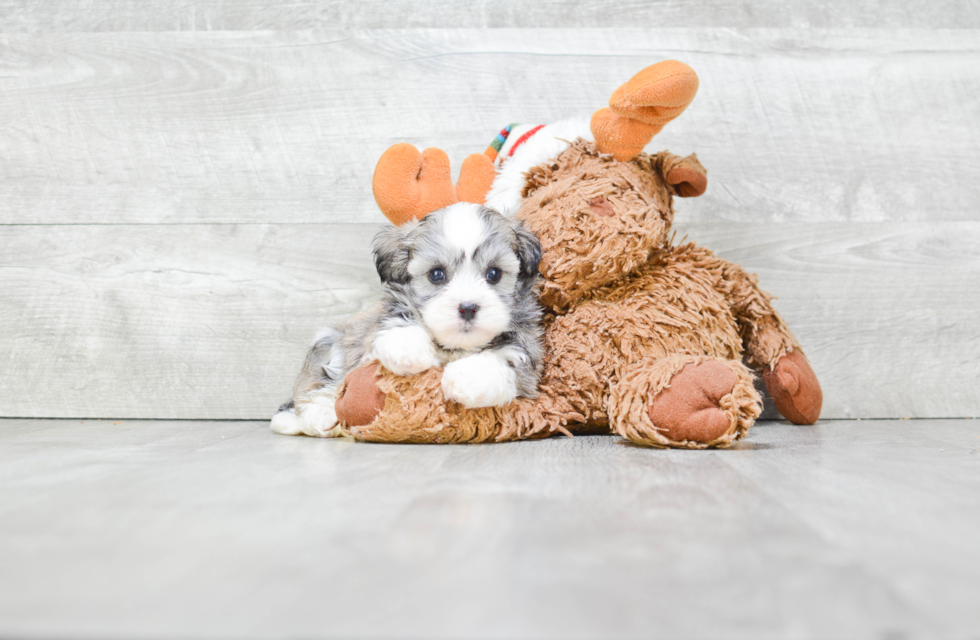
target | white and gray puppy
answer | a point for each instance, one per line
(458, 290)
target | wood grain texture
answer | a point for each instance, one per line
(190, 321)
(885, 312)
(169, 320)
(208, 15)
(181, 211)
(793, 124)
(208, 529)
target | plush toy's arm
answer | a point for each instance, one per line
(764, 332)
(378, 406)
(375, 405)
(770, 346)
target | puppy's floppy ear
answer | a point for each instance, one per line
(528, 249)
(392, 250)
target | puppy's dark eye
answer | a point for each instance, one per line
(493, 275)
(436, 275)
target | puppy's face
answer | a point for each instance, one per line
(463, 268)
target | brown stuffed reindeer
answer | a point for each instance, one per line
(644, 338)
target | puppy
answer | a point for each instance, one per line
(458, 291)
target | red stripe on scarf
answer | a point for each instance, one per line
(524, 138)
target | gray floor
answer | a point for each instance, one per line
(220, 529)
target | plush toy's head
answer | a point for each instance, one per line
(599, 219)
(408, 185)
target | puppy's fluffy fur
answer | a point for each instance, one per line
(459, 292)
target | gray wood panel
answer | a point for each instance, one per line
(210, 529)
(793, 124)
(191, 321)
(182, 210)
(208, 15)
(887, 313)
(177, 321)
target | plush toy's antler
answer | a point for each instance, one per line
(639, 109)
(409, 184)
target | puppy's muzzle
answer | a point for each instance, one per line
(467, 310)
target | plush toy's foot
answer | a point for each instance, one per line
(794, 388)
(360, 399)
(686, 402)
(690, 408)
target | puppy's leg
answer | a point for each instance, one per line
(313, 415)
(316, 413)
(286, 422)
(311, 411)
(485, 379)
(403, 350)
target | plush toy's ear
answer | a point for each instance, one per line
(537, 177)
(639, 109)
(686, 175)
(408, 184)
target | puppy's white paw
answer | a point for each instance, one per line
(481, 380)
(287, 423)
(405, 350)
(320, 419)
(313, 415)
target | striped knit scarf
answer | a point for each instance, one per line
(501, 140)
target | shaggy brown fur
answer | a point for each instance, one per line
(643, 337)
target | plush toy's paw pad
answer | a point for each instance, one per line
(689, 409)
(361, 399)
(794, 388)
(481, 380)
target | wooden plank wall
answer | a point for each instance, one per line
(186, 186)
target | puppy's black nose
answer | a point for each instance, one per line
(467, 310)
